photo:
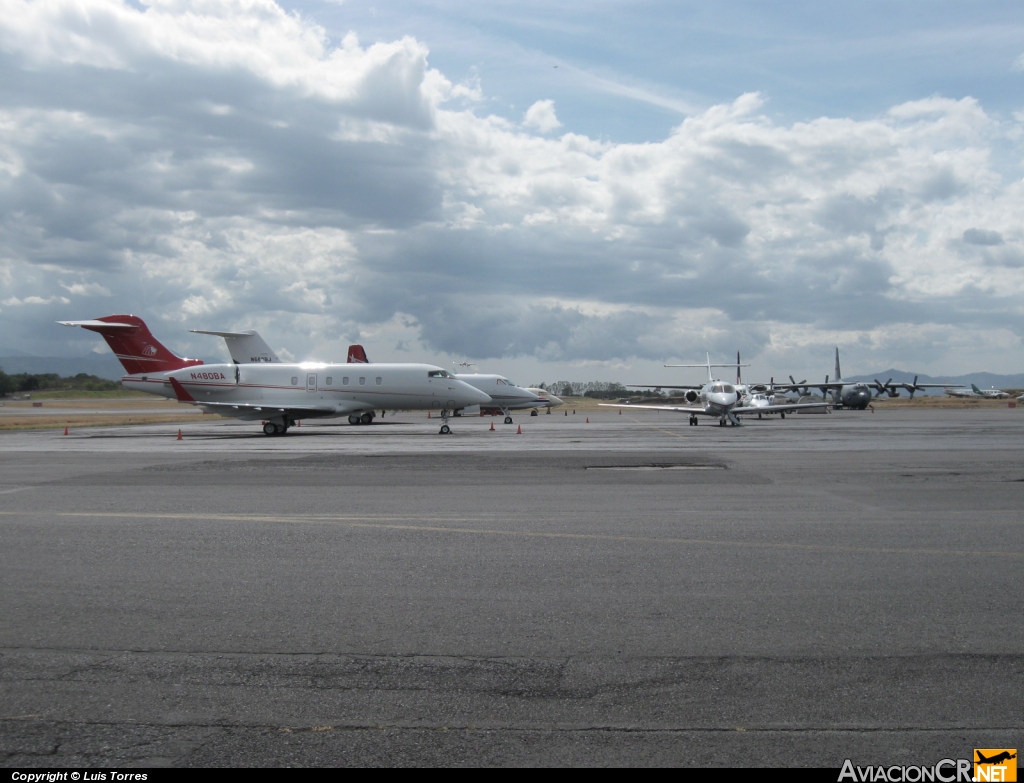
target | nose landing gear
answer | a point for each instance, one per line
(445, 429)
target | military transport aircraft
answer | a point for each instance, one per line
(721, 400)
(855, 395)
(505, 395)
(276, 393)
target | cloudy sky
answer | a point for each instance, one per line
(555, 191)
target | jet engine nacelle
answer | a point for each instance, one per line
(692, 395)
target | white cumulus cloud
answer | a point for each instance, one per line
(222, 164)
(541, 116)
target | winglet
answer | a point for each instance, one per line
(180, 392)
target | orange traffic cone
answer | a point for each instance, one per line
(65, 430)
(298, 424)
(519, 430)
(492, 427)
(179, 435)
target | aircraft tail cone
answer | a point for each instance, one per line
(519, 430)
(65, 430)
(179, 435)
(492, 427)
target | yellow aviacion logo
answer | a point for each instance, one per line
(995, 764)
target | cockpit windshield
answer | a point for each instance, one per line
(728, 389)
(506, 381)
(718, 389)
(438, 374)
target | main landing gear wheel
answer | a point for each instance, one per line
(783, 414)
(269, 429)
(534, 412)
(445, 430)
(366, 418)
(693, 421)
(353, 419)
(508, 419)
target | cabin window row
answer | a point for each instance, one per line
(329, 380)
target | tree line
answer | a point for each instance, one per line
(51, 381)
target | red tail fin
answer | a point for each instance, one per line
(133, 344)
(356, 355)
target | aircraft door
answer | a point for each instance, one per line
(311, 382)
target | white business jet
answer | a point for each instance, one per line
(719, 399)
(276, 393)
(505, 395)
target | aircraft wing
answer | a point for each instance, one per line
(831, 385)
(785, 408)
(247, 410)
(679, 408)
(250, 411)
(662, 386)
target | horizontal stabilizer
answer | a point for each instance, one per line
(99, 326)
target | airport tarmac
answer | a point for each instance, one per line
(630, 590)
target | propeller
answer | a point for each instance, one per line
(913, 387)
(804, 391)
(884, 388)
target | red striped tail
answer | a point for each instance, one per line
(134, 346)
(356, 355)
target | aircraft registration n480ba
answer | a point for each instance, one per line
(276, 393)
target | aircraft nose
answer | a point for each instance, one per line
(473, 396)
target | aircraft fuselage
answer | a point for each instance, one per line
(345, 388)
(856, 396)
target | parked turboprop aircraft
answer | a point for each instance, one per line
(721, 400)
(974, 391)
(855, 394)
(753, 395)
(274, 392)
(505, 395)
